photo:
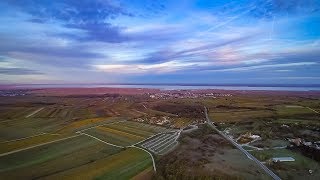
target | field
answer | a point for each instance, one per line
(7, 146)
(98, 136)
(125, 133)
(245, 115)
(299, 169)
(204, 154)
(53, 158)
(77, 157)
(161, 143)
(35, 143)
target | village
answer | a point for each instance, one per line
(182, 94)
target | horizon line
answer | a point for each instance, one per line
(173, 84)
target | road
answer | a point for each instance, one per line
(34, 112)
(132, 146)
(313, 110)
(13, 140)
(153, 161)
(100, 140)
(265, 168)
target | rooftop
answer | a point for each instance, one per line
(283, 159)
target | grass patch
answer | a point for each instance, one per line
(54, 158)
(299, 169)
(14, 145)
(132, 130)
(123, 165)
(121, 133)
(236, 116)
(181, 122)
(86, 123)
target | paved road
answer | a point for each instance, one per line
(265, 168)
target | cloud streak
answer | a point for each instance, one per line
(19, 71)
(265, 66)
(135, 40)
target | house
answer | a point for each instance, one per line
(283, 159)
(296, 141)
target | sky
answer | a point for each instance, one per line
(160, 41)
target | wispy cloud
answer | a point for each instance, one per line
(18, 71)
(266, 66)
(160, 68)
(86, 40)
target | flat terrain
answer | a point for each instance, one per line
(203, 154)
(299, 169)
(124, 133)
(54, 158)
(96, 134)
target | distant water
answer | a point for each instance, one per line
(179, 87)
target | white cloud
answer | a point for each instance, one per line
(166, 67)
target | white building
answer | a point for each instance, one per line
(283, 159)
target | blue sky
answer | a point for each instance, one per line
(160, 41)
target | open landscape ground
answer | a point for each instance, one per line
(98, 136)
(299, 169)
(204, 154)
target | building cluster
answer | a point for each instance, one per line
(301, 142)
(248, 138)
(186, 94)
(307, 148)
(162, 121)
(12, 93)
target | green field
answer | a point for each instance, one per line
(294, 111)
(125, 133)
(239, 116)
(126, 164)
(54, 158)
(298, 121)
(86, 123)
(290, 170)
(122, 165)
(27, 142)
(80, 157)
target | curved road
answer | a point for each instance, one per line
(265, 168)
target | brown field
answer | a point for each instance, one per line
(203, 154)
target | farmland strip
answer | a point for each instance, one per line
(101, 140)
(34, 112)
(118, 132)
(18, 150)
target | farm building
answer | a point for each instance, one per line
(283, 159)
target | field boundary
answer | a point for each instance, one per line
(131, 146)
(34, 112)
(19, 139)
(153, 161)
(313, 110)
(108, 123)
(101, 140)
